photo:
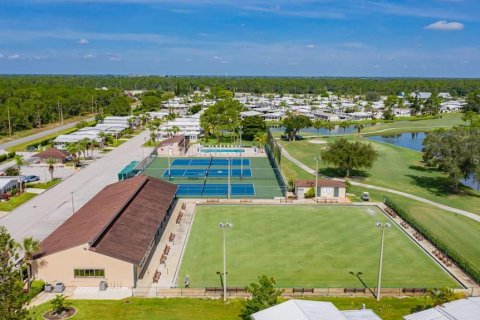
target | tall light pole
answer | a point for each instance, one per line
(316, 177)
(73, 204)
(382, 226)
(224, 227)
(240, 127)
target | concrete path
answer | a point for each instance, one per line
(44, 213)
(40, 134)
(404, 194)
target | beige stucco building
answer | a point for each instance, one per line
(111, 238)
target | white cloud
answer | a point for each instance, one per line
(14, 56)
(83, 41)
(1, 56)
(89, 56)
(443, 25)
(115, 58)
(310, 46)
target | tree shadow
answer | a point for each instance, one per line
(441, 186)
(357, 275)
(337, 173)
(424, 169)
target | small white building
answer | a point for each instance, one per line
(402, 112)
(327, 188)
(464, 309)
(8, 183)
(327, 116)
(311, 310)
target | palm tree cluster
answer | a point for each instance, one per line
(86, 147)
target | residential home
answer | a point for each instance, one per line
(60, 156)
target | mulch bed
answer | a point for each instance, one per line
(69, 312)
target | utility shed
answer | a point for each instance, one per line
(111, 238)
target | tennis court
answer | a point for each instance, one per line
(202, 173)
(209, 177)
(210, 162)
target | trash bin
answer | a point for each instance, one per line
(59, 287)
(103, 285)
(48, 287)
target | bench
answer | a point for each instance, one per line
(171, 237)
(302, 290)
(184, 206)
(354, 290)
(166, 250)
(236, 289)
(179, 217)
(213, 289)
(156, 276)
(163, 259)
(213, 200)
(414, 290)
(245, 200)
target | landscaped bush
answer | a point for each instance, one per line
(310, 193)
(35, 288)
(466, 266)
(7, 156)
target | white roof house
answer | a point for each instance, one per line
(402, 112)
(311, 310)
(421, 95)
(189, 127)
(444, 95)
(464, 309)
(250, 113)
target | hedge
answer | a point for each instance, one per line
(447, 250)
(7, 156)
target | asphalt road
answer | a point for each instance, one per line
(12, 143)
(43, 214)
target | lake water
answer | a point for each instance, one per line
(311, 130)
(414, 141)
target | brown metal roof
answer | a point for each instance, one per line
(117, 221)
(175, 139)
(52, 153)
(321, 183)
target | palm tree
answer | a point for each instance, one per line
(102, 135)
(19, 161)
(359, 127)
(260, 139)
(175, 130)
(51, 166)
(74, 150)
(29, 247)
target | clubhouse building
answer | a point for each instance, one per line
(327, 188)
(111, 238)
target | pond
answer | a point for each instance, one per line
(414, 141)
(322, 131)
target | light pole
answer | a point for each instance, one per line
(382, 226)
(240, 127)
(169, 172)
(316, 178)
(73, 204)
(224, 227)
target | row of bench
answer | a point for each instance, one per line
(179, 217)
(390, 212)
(404, 224)
(310, 290)
(443, 258)
(417, 235)
(156, 276)
(326, 200)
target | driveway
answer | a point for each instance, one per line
(44, 213)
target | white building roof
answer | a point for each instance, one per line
(4, 181)
(250, 113)
(300, 310)
(464, 309)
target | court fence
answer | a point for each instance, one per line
(147, 160)
(240, 292)
(276, 169)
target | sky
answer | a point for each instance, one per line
(359, 38)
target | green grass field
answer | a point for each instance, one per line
(16, 201)
(397, 168)
(304, 246)
(263, 176)
(201, 309)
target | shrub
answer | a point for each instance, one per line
(59, 304)
(310, 193)
(35, 288)
(12, 171)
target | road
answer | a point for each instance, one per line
(404, 194)
(43, 214)
(42, 134)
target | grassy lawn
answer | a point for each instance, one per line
(397, 168)
(117, 143)
(200, 309)
(16, 201)
(461, 233)
(44, 185)
(304, 246)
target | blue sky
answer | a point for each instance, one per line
(430, 38)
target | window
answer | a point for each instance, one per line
(89, 273)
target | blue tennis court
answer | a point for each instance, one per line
(205, 162)
(212, 173)
(220, 189)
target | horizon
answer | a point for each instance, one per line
(254, 38)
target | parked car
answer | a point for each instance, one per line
(365, 196)
(30, 178)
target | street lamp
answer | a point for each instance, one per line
(382, 226)
(240, 127)
(224, 227)
(317, 158)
